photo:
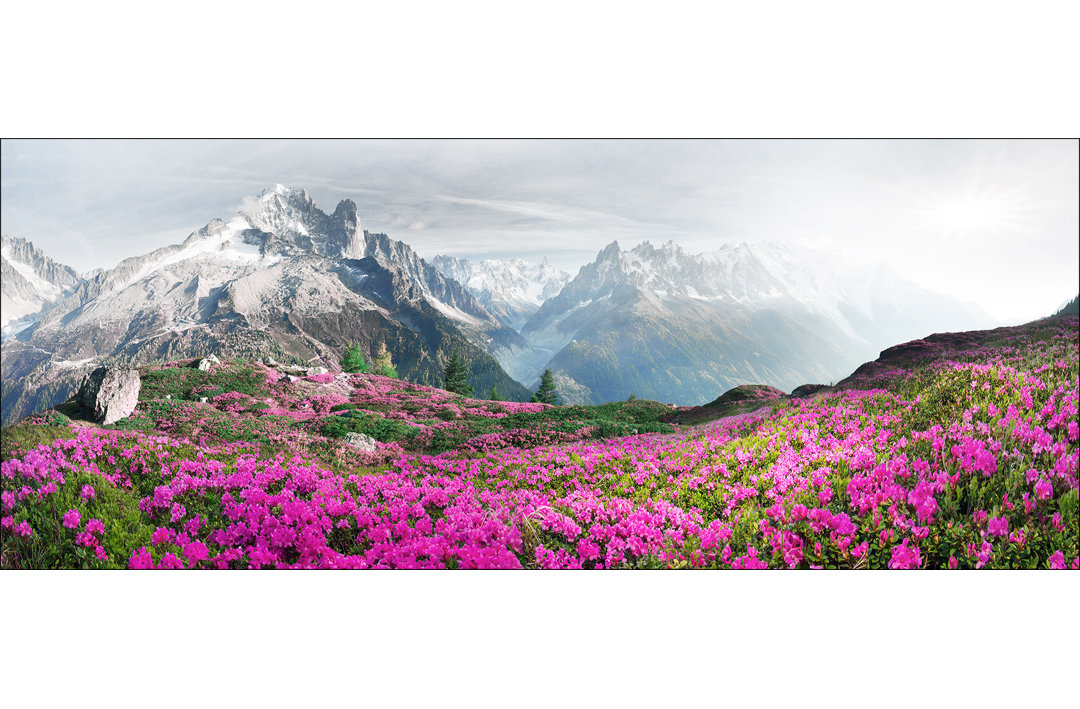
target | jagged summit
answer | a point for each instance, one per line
(32, 283)
(510, 290)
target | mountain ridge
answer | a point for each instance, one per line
(280, 279)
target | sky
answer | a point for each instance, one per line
(994, 222)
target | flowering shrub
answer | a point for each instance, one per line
(966, 460)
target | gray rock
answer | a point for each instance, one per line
(213, 359)
(317, 370)
(110, 393)
(361, 441)
(270, 361)
(204, 365)
(203, 400)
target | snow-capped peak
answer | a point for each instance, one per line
(280, 210)
(511, 290)
(32, 282)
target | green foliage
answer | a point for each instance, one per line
(546, 393)
(182, 382)
(23, 437)
(494, 395)
(378, 427)
(456, 375)
(353, 361)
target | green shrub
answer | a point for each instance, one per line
(379, 428)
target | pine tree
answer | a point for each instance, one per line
(494, 396)
(383, 364)
(456, 375)
(546, 393)
(353, 360)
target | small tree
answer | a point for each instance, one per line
(383, 364)
(494, 396)
(353, 360)
(456, 375)
(546, 393)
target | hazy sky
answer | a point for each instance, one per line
(996, 222)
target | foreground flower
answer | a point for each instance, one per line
(71, 519)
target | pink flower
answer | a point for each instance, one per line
(905, 557)
(1057, 560)
(87, 492)
(23, 530)
(141, 559)
(161, 535)
(998, 526)
(169, 561)
(952, 562)
(195, 552)
(1044, 489)
(71, 519)
(94, 526)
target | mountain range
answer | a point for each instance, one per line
(283, 279)
(280, 279)
(669, 325)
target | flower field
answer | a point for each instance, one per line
(954, 454)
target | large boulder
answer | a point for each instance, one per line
(110, 393)
(361, 441)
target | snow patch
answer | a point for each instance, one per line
(454, 313)
(68, 364)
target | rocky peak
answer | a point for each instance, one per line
(279, 210)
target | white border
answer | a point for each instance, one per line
(791, 69)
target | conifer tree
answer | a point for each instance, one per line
(494, 396)
(456, 375)
(353, 360)
(383, 364)
(546, 393)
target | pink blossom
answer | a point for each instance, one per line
(998, 526)
(141, 559)
(71, 519)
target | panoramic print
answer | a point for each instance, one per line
(730, 354)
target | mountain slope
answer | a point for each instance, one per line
(30, 283)
(280, 279)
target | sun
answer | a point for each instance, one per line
(970, 214)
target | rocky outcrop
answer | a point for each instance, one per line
(805, 391)
(361, 441)
(110, 393)
(206, 363)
